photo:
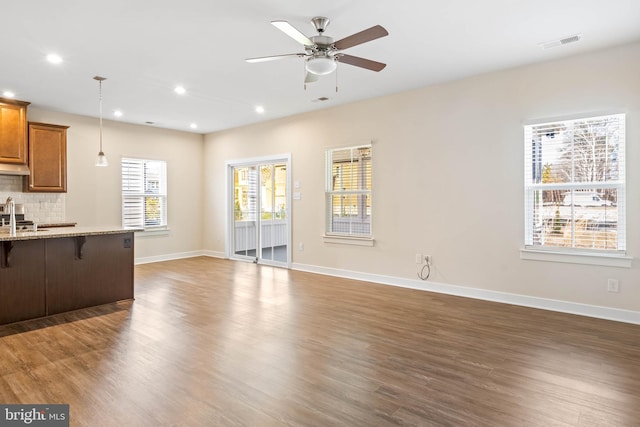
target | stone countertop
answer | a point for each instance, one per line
(60, 232)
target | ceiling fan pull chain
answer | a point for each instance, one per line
(337, 76)
(304, 75)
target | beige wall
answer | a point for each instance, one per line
(448, 177)
(94, 196)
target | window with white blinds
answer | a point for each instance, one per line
(575, 184)
(348, 191)
(144, 193)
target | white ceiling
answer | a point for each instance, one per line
(146, 48)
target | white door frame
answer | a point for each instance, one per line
(229, 194)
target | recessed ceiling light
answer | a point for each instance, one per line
(117, 113)
(180, 90)
(193, 126)
(8, 94)
(259, 109)
(54, 59)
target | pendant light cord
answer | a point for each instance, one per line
(100, 99)
(102, 159)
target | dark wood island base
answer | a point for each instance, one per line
(45, 273)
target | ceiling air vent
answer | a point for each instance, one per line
(560, 42)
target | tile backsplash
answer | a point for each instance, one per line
(41, 208)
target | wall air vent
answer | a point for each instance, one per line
(560, 42)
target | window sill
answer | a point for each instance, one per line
(156, 231)
(607, 260)
(348, 240)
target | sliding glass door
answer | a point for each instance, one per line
(260, 226)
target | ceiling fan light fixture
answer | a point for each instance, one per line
(321, 65)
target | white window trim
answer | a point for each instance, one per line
(344, 238)
(348, 240)
(153, 230)
(585, 256)
(554, 255)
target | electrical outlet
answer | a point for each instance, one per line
(301, 247)
(613, 285)
(418, 258)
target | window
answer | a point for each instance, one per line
(575, 185)
(348, 191)
(144, 193)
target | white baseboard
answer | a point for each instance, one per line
(214, 254)
(179, 255)
(599, 312)
(168, 257)
(607, 313)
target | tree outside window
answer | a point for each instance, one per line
(575, 184)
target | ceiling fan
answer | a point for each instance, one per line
(322, 53)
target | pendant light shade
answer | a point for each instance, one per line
(102, 159)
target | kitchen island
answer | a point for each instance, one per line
(55, 270)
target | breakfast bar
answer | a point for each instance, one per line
(51, 271)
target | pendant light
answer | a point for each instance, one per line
(102, 159)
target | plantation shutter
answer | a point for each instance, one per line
(575, 184)
(348, 191)
(144, 193)
(132, 193)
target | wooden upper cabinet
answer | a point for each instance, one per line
(47, 158)
(13, 131)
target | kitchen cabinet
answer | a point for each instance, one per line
(22, 280)
(84, 271)
(54, 271)
(47, 158)
(13, 131)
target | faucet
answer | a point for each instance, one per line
(12, 215)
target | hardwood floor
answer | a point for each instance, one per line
(212, 342)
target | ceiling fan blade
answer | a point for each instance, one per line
(361, 62)
(292, 32)
(274, 57)
(364, 36)
(310, 78)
